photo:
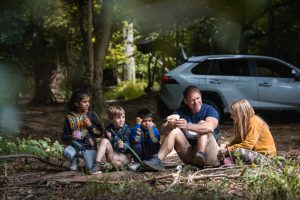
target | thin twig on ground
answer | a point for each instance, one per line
(196, 178)
(221, 168)
(157, 178)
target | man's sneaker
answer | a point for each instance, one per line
(74, 164)
(154, 164)
(201, 157)
(96, 169)
(134, 166)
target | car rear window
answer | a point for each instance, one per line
(202, 68)
(230, 67)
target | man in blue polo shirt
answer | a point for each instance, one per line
(191, 130)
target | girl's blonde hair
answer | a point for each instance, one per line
(244, 111)
(115, 111)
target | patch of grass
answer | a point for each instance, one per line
(120, 189)
(126, 91)
(211, 189)
(272, 182)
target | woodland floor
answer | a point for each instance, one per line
(32, 179)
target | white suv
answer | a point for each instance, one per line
(268, 83)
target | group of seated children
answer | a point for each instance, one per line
(193, 134)
(121, 145)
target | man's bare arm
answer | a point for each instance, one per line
(202, 127)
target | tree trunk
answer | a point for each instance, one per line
(90, 69)
(243, 45)
(83, 64)
(102, 41)
(43, 67)
(147, 89)
(129, 52)
(271, 30)
(44, 75)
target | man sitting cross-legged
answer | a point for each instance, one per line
(192, 130)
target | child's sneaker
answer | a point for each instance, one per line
(134, 166)
(74, 164)
(96, 169)
(154, 164)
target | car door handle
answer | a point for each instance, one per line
(265, 84)
(215, 82)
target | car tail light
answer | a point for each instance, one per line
(168, 80)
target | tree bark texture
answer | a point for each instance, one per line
(90, 70)
(43, 66)
(129, 52)
(103, 35)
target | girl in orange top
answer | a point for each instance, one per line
(253, 142)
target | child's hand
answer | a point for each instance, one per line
(139, 133)
(120, 144)
(76, 135)
(87, 122)
(138, 120)
(150, 125)
(108, 135)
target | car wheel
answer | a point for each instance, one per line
(216, 107)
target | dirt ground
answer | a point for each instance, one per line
(44, 182)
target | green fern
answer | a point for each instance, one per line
(42, 147)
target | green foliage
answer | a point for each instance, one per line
(127, 90)
(42, 147)
(116, 58)
(271, 182)
(13, 22)
(116, 53)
